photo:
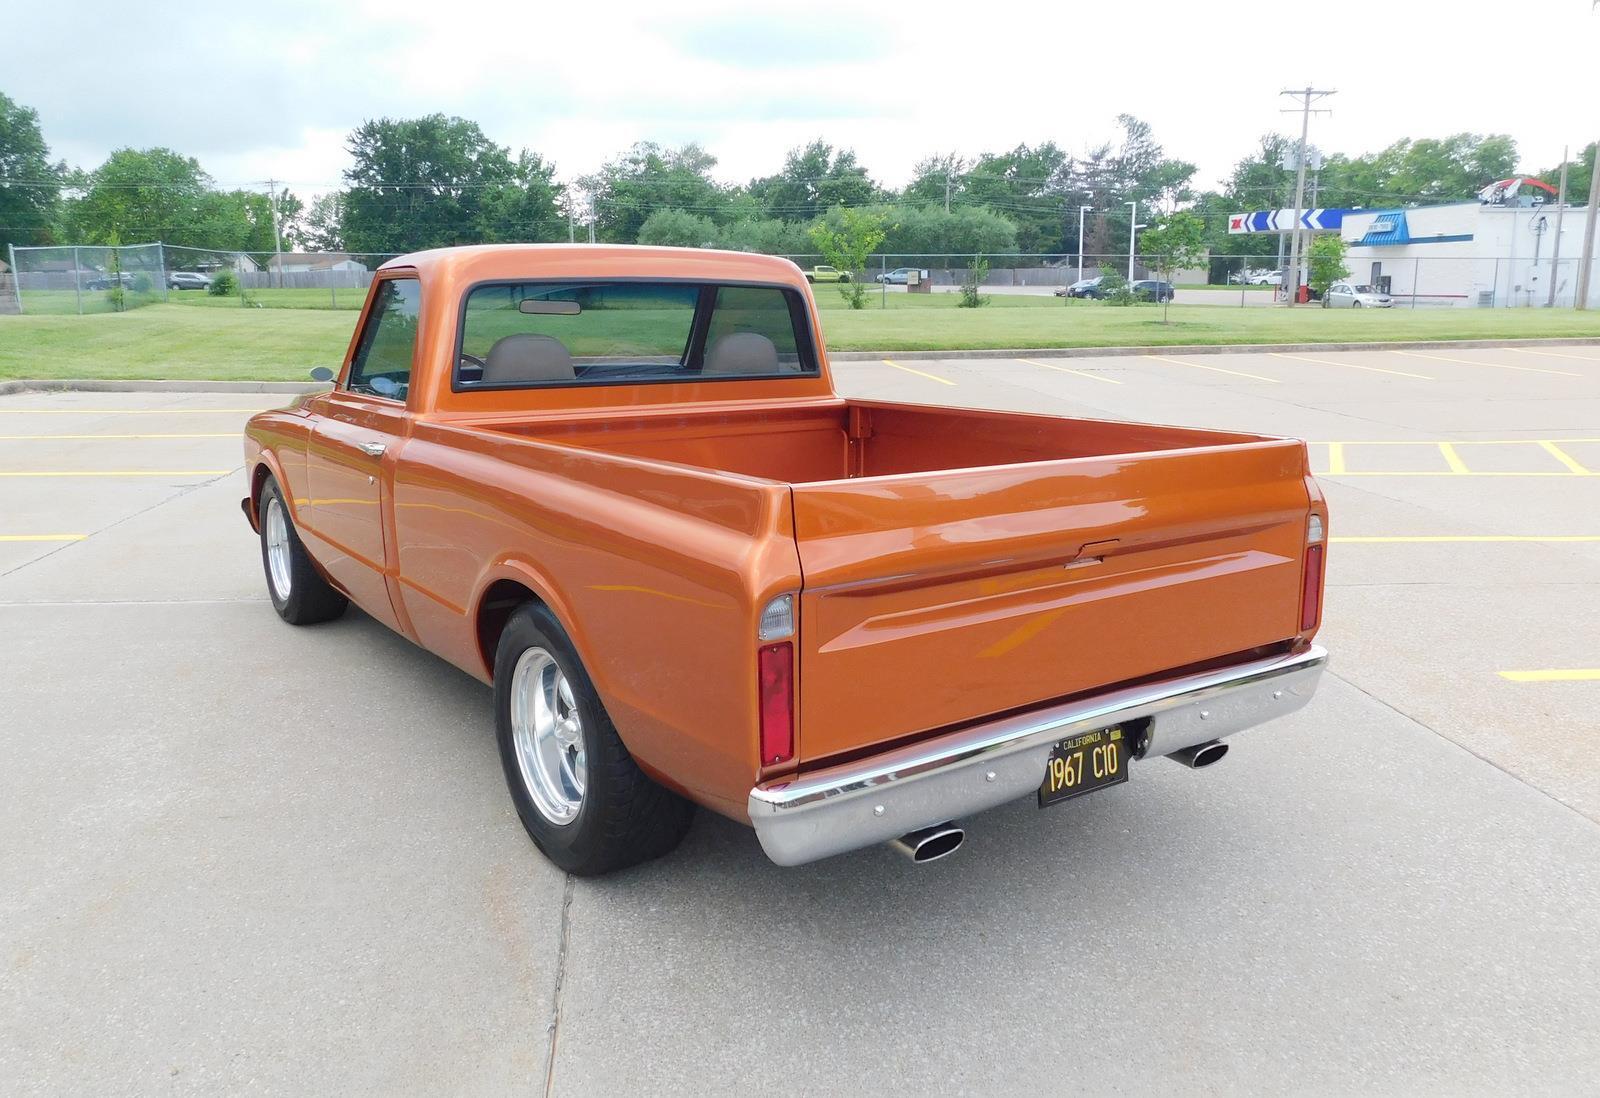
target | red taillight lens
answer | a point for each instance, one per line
(775, 674)
(1311, 590)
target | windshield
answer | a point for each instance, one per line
(1364, 290)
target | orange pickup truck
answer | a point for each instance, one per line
(617, 484)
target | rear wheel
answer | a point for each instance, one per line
(299, 593)
(581, 797)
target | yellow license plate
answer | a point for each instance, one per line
(1083, 763)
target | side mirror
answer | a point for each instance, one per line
(321, 373)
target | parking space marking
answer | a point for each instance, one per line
(919, 373)
(42, 537)
(200, 434)
(1463, 538)
(1335, 458)
(1352, 366)
(1066, 370)
(1490, 365)
(1450, 452)
(1557, 354)
(115, 472)
(1562, 456)
(1216, 369)
(1570, 674)
(1453, 459)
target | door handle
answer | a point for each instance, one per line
(372, 449)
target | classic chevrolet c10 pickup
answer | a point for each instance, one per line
(616, 483)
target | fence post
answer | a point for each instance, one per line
(161, 265)
(16, 275)
(77, 280)
(1416, 279)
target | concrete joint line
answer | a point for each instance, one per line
(553, 1027)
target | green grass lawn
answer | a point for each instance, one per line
(182, 341)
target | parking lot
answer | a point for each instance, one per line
(243, 856)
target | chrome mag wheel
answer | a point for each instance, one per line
(277, 532)
(548, 735)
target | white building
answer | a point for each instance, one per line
(302, 262)
(1469, 254)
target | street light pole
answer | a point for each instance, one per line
(1133, 234)
(1081, 211)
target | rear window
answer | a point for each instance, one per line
(517, 334)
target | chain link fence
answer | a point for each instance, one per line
(94, 279)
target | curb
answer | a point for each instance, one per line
(92, 386)
(1212, 349)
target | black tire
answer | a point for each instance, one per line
(310, 598)
(624, 817)
(811, 278)
(844, 278)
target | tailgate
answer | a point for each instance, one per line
(936, 598)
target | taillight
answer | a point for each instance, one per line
(1311, 581)
(775, 674)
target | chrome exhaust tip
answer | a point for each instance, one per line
(929, 844)
(1201, 754)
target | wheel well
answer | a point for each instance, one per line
(257, 479)
(502, 597)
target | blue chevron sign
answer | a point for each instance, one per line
(1281, 221)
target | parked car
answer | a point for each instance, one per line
(1345, 295)
(1084, 287)
(1267, 278)
(824, 273)
(618, 486)
(1150, 289)
(187, 280)
(900, 276)
(104, 280)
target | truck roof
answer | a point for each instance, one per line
(483, 262)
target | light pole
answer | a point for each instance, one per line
(1081, 211)
(1133, 234)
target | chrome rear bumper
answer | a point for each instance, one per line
(857, 804)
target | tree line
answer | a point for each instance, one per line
(436, 181)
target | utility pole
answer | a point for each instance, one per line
(947, 189)
(572, 232)
(591, 219)
(1081, 211)
(1133, 234)
(1588, 231)
(1555, 251)
(1307, 96)
(277, 238)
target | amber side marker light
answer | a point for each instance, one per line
(1311, 583)
(775, 680)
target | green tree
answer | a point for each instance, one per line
(1175, 242)
(141, 195)
(814, 179)
(30, 197)
(1580, 171)
(678, 229)
(1326, 256)
(645, 178)
(846, 238)
(1031, 186)
(322, 231)
(434, 181)
(934, 179)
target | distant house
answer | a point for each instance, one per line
(300, 262)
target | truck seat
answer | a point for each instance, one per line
(526, 357)
(742, 353)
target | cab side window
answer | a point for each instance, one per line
(382, 362)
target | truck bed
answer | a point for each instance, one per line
(961, 563)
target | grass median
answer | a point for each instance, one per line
(180, 341)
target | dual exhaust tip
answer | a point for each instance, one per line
(929, 844)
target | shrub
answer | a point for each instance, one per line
(223, 284)
(117, 298)
(142, 283)
(971, 282)
(1114, 289)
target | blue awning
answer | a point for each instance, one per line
(1389, 227)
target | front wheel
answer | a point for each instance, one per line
(299, 593)
(1355, 304)
(844, 278)
(581, 797)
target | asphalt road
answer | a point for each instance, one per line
(240, 856)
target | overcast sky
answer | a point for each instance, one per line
(270, 90)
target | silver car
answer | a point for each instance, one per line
(1346, 295)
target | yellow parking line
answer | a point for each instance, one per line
(1562, 456)
(123, 411)
(1556, 354)
(1216, 369)
(1422, 539)
(1575, 674)
(919, 373)
(1456, 441)
(1351, 365)
(40, 438)
(1335, 458)
(116, 473)
(42, 537)
(1066, 370)
(1491, 365)
(1445, 473)
(1453, 459)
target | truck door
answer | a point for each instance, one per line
(359, 428)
